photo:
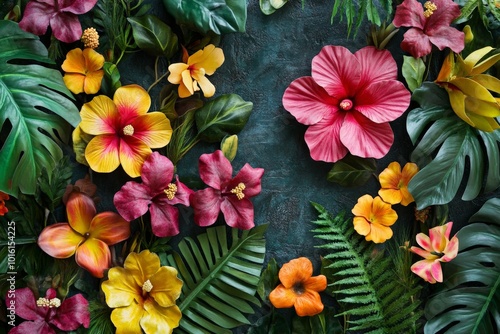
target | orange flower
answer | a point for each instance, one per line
(83, 71)
(298, 288)
(3, 209)
(86, 235)
(373, 218)
(394, 183)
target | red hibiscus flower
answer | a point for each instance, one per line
(226, 194)
(156, 192)
(429, 26)
(348, 102)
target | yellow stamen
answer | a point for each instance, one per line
(147, 286)
(128, 130)
(90, 38)
(238, 191)
(44, 302)
(170, 191)
(430, 7)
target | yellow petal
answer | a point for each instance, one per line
(471, 60)
(94, 256)
(409, 171)
(93, 82)
(127, 319)
(471, 88)
(80, 210)
(210, 58)
(481, 108)
(166, 286)
(187, 81)
(364, 207)
(383, 212)
(93, 60)
(99, 116)
(407, 197)
(157, 319)
(153, 129)
(379, 233)
(389, 178)
(131, 101)
(391, 196)
(133, 153)
(102, 153)
(75, 82)
(487, 81)
(74, 62)
(457, 101)
(361, 225)
(485, 64)
(121, 289)
(80, 141)
(483, 123)
(206, 86)
(142, 266)
(59, 240)
(446, 69)
(176, 71)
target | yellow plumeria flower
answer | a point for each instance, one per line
(192, 76)
(83, 71)
(394, 183)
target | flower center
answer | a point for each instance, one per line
(170, 191)
(298, 288)
(147, 286)
(128, 130)
(430, 7)
(44, 302)
(345, 104)
(238, 191)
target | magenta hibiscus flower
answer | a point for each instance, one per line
(429, 26)
(48, 315)
(227, 194)
(348, 102)
(61, 15)
(156, 192)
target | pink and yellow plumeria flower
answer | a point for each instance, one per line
(437, 248)
(124, 131)
(86, 235)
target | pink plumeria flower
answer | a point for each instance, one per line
(437, 248)
(225, 193)
(348, 103)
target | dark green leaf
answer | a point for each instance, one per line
(225, 115)
(352, 171)
(219, 16)
(413, 71)
(53, 185)
(268, 280)
(111, 81)
(271, 323)
(153, 36)
(35, 109)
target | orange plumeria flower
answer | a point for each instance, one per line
(86, 235)
(394, 183)
(3, 209)
(299, 288)
(124, 131)
(83, 71)
(373, 218)
(193, 73)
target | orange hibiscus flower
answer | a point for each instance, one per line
(394, 183)
(83, 71)
(373, 218)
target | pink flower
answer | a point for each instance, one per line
(61, 15)
(226, 194)
(429, 26)
(158, 193)
(437, 248)
(348, 102)
(48, 315)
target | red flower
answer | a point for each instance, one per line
(226, 194)
(429, 26)
(48, 315)
(3, 209)
(158, 192)
(61, 15)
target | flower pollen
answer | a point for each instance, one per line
(44, 302)
(238, 190)
(430, 7)
(128, 130)
(90, 38)
(147, 286)
(171, 191)
(346, 104)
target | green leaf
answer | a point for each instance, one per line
(229, 146)
(153, 36)
(413, 71)
(271, 323)
(468, 300)
(223, 116)
(323, 323)
(268, 280)
(467, 10)
(270, 6)
(220, 279)
(35, 109)
(111, 81)
(53, 185)
(352, 171)
(219, 16)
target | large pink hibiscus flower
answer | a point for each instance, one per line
(348, 102)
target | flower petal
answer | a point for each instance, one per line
(93, 82)
(446, 12)
(121, 289)
(175, 76)
(133, 153)
(416, 43)
(94, 256)
(156, 173)
(436, 271)
(75, 62)
(295, 271)
(131, 101)
(75, 82)
(132, 200)
(316, 283)
(362, 226)
(153, 129)
(251, 178)
(410, 13)
(206, 86)
(423, 269)
(379, 233)
(447, 37)
(363, 207)
(77, 7)
(99, 116)
(127, 319)
(164, 218)
(215, 169)
(109, 227)
(424, 241)
(94, 61)
(391, 196)
(166, 286)
(80, 210)
(389, 178)
(157, 319)
(142, 266)
(376, 65)
(210, 59)
(308, 304)
(323, 138)
(73, 312)
(25, 304)
(59, 240)
(39, 326)
(182, 194)
(451, 250)
(383, 212)
(187, 85)
(238, 213)
(423, 253)
(282, 297)
(206, 204)
(66, 27)
(36, 17)
(102, 153)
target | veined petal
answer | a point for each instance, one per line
(376, 65)
(423, 253)
(206, 86)
(77, 7)
(446, 12)
(424, 241)
(308, 304)
(36, 17)
(153, 129)
(238, 213)
(166, 286)
(133, 153)
(250, 177)
(182, 194)
(210, 59)
(121, 288)
(423, 269)
(215, 169)
(323, 138)
(206, 204)
(94, 61)
(75, 82)
(391, 196)
(295, 271)
(410, 13)
(73, 312)
(316, 283)
(406, 196)
(66, 27)
(447, 37)
(175, 76)
(164, 218)
(132, 200)
(80, 210)
(94, 256)
(409, 171)
(25, 302)
(379, 233)
(156, 173)
(390, 177)
(142, 266)
(383, 212)
(131, 101)
(102, 153)
(127, 319)
(75, 62)
(362, 226)
(157, 319)
(39, 326)
(363, 207)
(416, 42)
(59, 240)
(471, 88)
(282, 297)
(109, 227)
(93, 82)
(99, 116)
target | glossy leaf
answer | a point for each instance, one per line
(352, 171)
(154, 36)
(268, 280)
(111, 81)
(413, 71)
(223, 116)
(468, 300)
(35, 110)
(219, 16)
(229, 146)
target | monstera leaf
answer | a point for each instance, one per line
(469, 299)
(219, 16)
(34, 110)
(441, 153)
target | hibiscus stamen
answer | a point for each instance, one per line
(170, 191)
(128, 130)
(147, 286)
(346, 104)
(238, 190)
(430, 7)
(90, 38)
(44, 302)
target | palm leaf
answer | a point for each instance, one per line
(368, 8)
(35, 110)
(469, 299)
(220, 279)
(372, 300)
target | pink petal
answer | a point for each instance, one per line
(423, 269)
(132, 200)
(164, 218)
(307, 101)
(416, 43)
(436, 271)
(182, 194)
(337, 70)
(73, 312)
(38, 327)
(66, 27)
(438, 239)
(94, 256)
(447, 37)
(451, 250)
(376, 65)
(238, 213)
(25, 304)
(383, 101)
(215, 169)
(156, 173)
(76, 6)
(424, 241)
(423, 253)
(364, 138)
(206, 204)
(250, 177)
(446, 12)
(323, 138)
(36, 17)
(409, 14)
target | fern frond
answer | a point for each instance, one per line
(368, 8)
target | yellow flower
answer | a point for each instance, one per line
(470, 90)
(189, 76)
(83, 71)
(373, 218)
(143, 295)
(394, 183)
